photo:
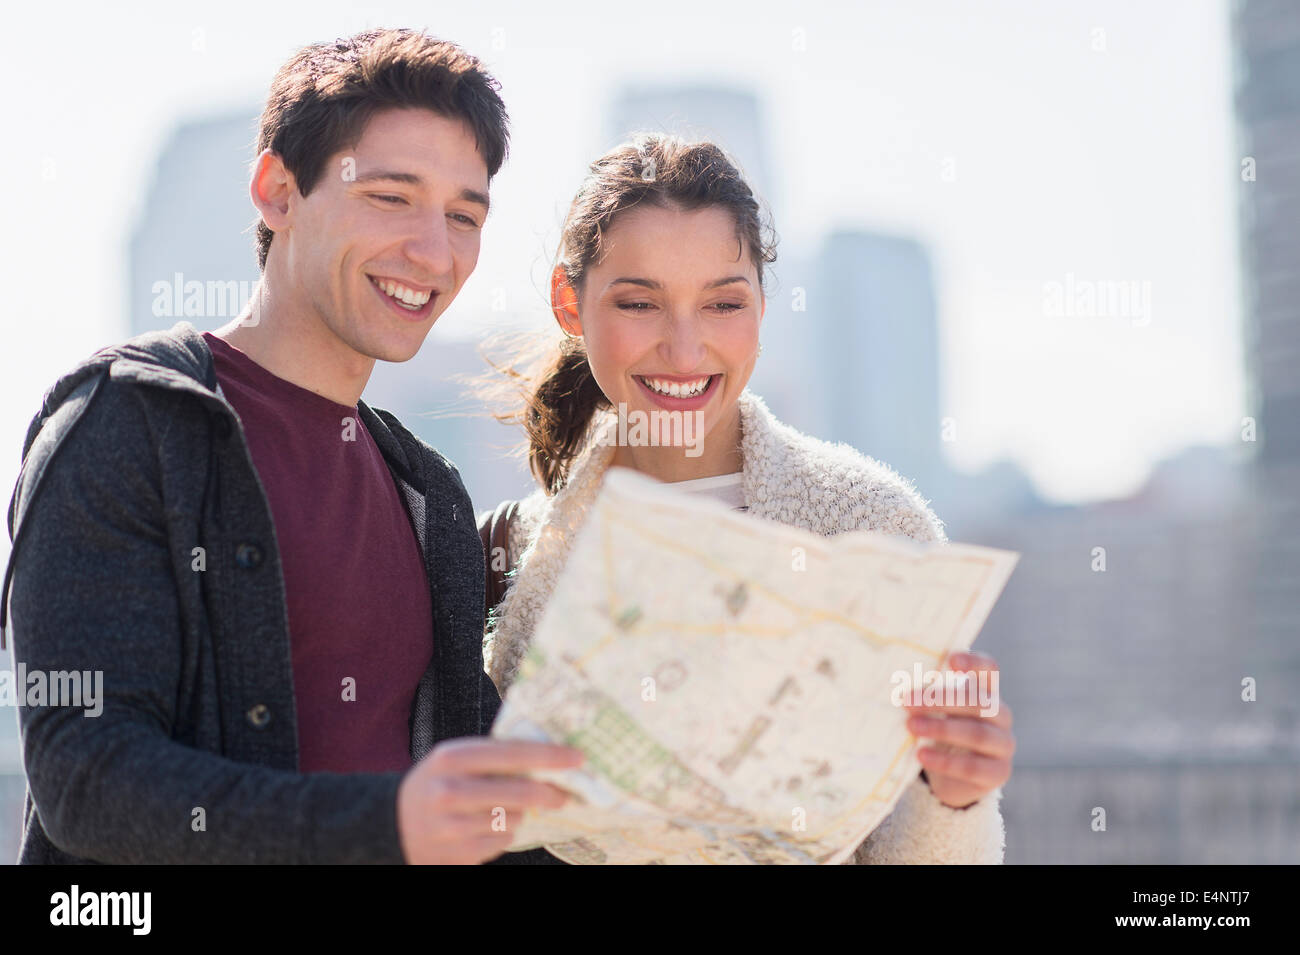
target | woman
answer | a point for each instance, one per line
(659, 290)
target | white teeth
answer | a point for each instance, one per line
(675, 389)
(403, 294)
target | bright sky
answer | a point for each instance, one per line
(1024, 142)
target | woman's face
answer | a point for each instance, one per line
(670, 316)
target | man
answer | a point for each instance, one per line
(282, 587)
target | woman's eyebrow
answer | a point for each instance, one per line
(657, 286)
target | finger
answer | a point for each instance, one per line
(982, 736)
(956, 794)
(970, 660)
(997, 713)
(456, 827)
(485, 755)
(455, 794)
(968, 767)
(956, 686)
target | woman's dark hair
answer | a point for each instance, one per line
(323, 97)
(653, 169)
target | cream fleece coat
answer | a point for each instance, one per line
(794, 479)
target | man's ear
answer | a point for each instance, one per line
(270, 188)
(564, 303)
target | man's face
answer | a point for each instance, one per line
(390, 232)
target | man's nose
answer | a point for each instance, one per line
(430, 249)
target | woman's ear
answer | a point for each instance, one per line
(564, 303)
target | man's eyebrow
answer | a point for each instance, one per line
(384, 175)
(656, 286)
(411, 179)
(473, 195)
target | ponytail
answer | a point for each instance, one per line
(559, 413)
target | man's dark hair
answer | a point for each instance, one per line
(322, 99)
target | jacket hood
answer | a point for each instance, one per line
(173, 355)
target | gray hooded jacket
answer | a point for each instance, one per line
(135, 460)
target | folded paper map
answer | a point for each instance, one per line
(732, 681)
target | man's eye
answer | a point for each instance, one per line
(635, 306)
(468, 220)
(389, 199)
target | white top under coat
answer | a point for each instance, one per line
(727, 488)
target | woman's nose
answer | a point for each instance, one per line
(683, 346)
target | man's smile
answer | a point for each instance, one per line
(412, 301)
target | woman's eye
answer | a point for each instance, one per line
(728, 306)
(635, 306)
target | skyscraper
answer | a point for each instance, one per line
(1267, 50)
(873, 306)
(1267, 47)
(194, 228)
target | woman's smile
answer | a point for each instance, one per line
(677, 392)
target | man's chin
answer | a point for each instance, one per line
(396, 344)
(392, 348)
(398, 353)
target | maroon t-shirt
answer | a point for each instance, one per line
(360, 614)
